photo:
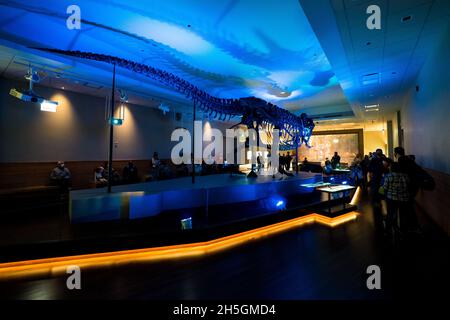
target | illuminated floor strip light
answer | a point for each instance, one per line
(57, 266)
(356, 195)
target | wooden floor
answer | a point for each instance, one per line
(312, 262)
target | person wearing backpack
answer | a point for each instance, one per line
(419, 179)
(395, 187)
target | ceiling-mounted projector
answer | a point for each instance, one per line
(26, 96)
(30, 96)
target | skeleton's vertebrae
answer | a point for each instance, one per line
(256, 113)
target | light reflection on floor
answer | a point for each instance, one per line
(313, 262)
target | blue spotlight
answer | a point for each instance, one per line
(275, 203)
(344, 182)
(116, 121)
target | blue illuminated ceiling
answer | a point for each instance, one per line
(230, 49)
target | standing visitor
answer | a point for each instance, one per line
(419, 179)
(396, 188)
(356, 170)
(376, 170)
(335, 160)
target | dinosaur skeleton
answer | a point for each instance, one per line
(254, 112)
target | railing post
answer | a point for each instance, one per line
(111, 132)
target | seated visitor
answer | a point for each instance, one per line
(328, 169)
(336, 160)
(165, 172)
(100, 177)
(155, 160)
(60, 175)
(182, 170)
(115, 174)
(130, 173)
(155, 168)
(305, 161)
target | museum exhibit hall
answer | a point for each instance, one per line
(231, 150)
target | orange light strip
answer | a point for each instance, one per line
(57, 266)
(355, 197)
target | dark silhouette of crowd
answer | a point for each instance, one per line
(284, 163)
(397, 183)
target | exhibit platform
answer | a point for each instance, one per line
(149, 199)
(175, 212)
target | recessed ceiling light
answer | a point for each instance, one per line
(62, 88)
(372, 109)
(406, 18)
(370, 78)
(371, 106)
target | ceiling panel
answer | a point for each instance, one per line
(397, 6)
(397, 51)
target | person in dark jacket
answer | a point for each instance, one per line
(61, 175)
(365, 170)
(335, 160)
(408, 219)
(376, 170)
(130, 173)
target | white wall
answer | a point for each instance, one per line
(374, 140)
(426, 123)
(78, 130)
(426, 113)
